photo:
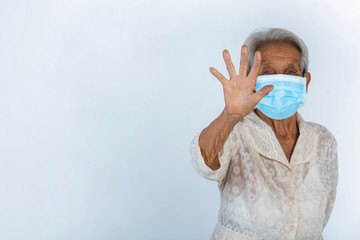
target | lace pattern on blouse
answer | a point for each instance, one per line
(263, 196)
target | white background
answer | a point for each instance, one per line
(100, 99)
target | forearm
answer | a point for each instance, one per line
(212, 139)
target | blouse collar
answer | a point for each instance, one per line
(266, 143)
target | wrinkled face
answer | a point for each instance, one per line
(280, 57)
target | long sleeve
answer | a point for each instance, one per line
(224, 157)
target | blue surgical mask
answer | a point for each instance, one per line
(284, 100)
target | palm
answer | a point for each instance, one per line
(239, 91)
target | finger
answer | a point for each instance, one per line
(218, 75)
(229, 64)
(255, 69)
(263, 92)
(243, 61)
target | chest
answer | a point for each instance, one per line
(288, 146)
(265, 197)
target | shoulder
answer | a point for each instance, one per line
(322, 134)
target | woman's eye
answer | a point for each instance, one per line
(292, 72)
(266, 72)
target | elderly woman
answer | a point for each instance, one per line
(277, 173)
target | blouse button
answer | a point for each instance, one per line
(291, 227)
(292, 198)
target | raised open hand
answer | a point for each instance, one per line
(239, 91)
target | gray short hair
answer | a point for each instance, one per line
(262, 35)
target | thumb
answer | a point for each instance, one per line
(264, 91)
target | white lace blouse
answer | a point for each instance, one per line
(263, 196)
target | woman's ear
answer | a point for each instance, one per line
(308, 79)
